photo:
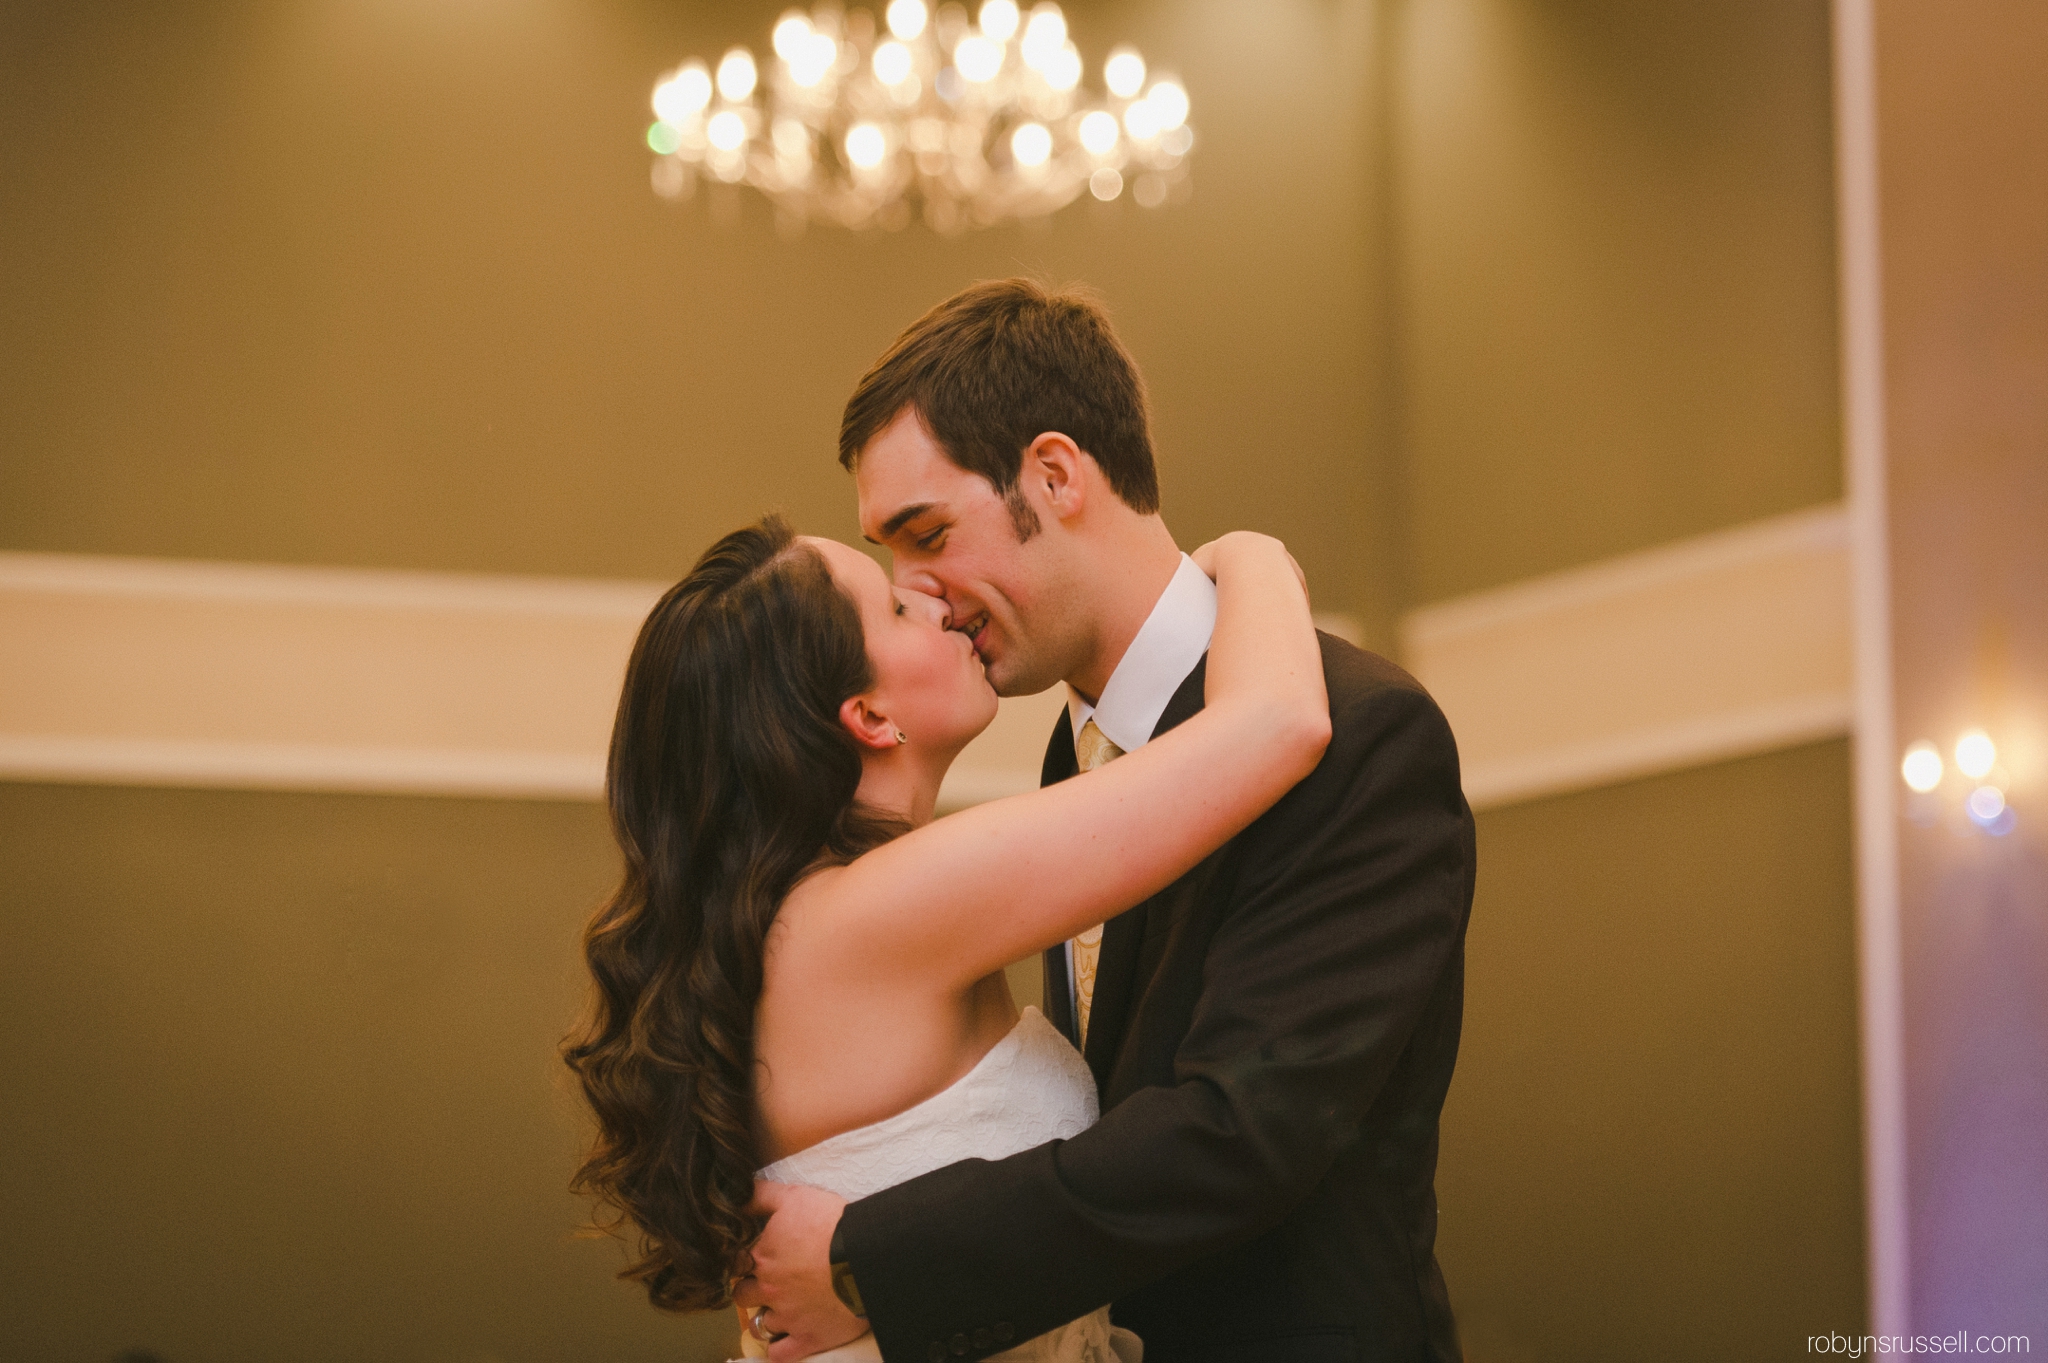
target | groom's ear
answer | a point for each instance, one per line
(868, 728)
(1057, 470)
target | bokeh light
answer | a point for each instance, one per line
(1124, 73)
(737, 74)
(978, 58)
(1105, 184)
(866, 145)
(1975, 754)
(1044, 36)
(1170, 102)
(1063, 72)
(814, 57)
(792, 32)
(727, 131)
(892, 62)
(683, 94)
(907, 18)
(1031, 144)
(1921, 768)
(998, 19)
(1098, 133)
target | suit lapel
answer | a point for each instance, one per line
(1059, 993)
(1123, 937)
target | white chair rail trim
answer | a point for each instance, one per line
(1720, 646)
(272, 676)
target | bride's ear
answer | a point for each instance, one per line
(868, 728)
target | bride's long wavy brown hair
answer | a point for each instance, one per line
(729, 778)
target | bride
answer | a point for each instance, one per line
(801, 974)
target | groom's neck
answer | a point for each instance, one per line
(1131, 569)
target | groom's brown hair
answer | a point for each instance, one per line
(996, 366)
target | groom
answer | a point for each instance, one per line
(1272, 1035)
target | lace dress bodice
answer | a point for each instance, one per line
(1032, 1087)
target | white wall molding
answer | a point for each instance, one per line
(273, 676)
(166, 672)
(1721, 646)
(244, 765)
(294, 584)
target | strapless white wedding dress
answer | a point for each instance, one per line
(1032, 1087)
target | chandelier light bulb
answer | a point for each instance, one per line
(1098, 132)
(866, 145)
(998, 19)
(726, 131)
(1921, 768)
(683, 94)
(813, 59)
(978, 58)
(1031, 144)
(1169, 102)
(1044, 36)
(1124, 73)
(892, 63)
(1975, 754)
(1063, 72)
(668, 103)
(907, 18)
(792, 32)
(737, 75)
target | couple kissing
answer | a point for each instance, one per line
(1249, 868)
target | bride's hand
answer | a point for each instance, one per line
(1205, 557)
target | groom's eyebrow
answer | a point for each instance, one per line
(901, 519)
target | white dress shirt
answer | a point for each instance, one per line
(1166, 648)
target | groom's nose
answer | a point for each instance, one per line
(915, 579)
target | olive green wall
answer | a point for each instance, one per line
(282, 1083)
(1652, 1148)
(383, 283)
(1614, 279)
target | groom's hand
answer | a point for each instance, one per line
(792, 1272)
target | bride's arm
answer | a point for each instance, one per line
(957, 899)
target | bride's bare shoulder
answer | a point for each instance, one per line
(806, 919)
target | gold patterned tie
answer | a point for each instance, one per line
(1091, 750)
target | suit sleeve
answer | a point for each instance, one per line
(1345, 904)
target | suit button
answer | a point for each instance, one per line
(982, 1338)
(959, 1343)
(938, 1351)
(1003, 1331)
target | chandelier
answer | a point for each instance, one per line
(968, 123)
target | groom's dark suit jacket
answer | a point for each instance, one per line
(1272, 1035)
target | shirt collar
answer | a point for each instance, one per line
(1169, 644)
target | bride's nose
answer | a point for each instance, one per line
(932, 609)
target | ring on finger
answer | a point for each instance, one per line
(757, 1329)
